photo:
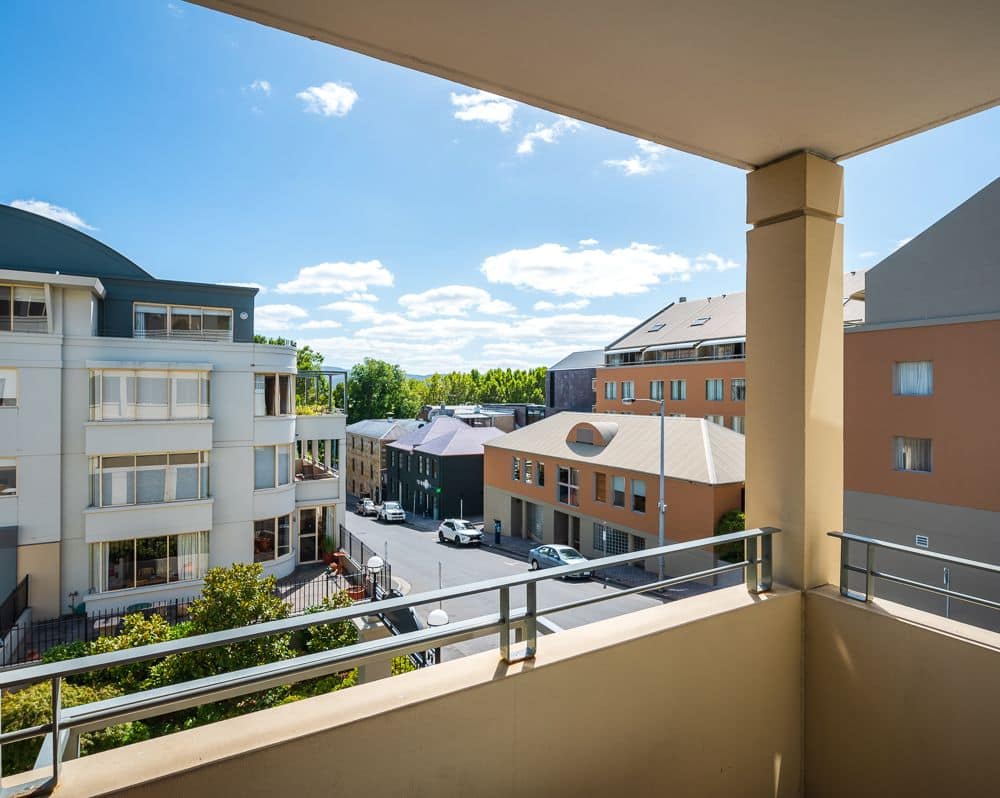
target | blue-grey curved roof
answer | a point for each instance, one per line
(30, 242)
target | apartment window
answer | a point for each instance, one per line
(180, 321)
(600, 487)
(22, 309)
(8, 387)
(569, 486)
(593, 384)
(720, 420)
(126, 564)
(739, 424)
(611, 389)
(274, 395)
(913, 454)
(714, 390)
(678, 390)
(618, 491)
(117, 395)
(528, 471)
(656, 389)
(271, 466)
(541, 474)
(913, 378)
(628, 390)
(638, 495)
(148, 478)
(8, 476)
(271, 538)
(738, 390)
(610, 541)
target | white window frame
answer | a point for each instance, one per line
(8, 493)
(919, 384)
(291, 465)
(715, 383)
(131, 410)
(170, 485)
(900, 460)
(276, 399)
(680, 394)
(11, 371)
(656, 389)
(202, 310)
(628, 390)
(204, 555)
(611, 390)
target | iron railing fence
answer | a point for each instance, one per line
(13, 606)
(355, 548)
(871, 572)
(37, 637)
(63, 731)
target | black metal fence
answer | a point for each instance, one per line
(13, 606)
(355, 548)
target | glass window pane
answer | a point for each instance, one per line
(150, 478)
(8, 387)
(217, 324)
(151, 566)
(285, 394)
(284, 535)
(120, 564)
(8, 477)
(186, 395)
(153, 395)
(204, 475)
(29, 309)
(263, 467)
(187, 557)
(186, 481)
(185, 320)
(269, 398)
(150, 321)
(259, 395)
(284, 465)
(5, 307)
(205, 395)
(263, 540)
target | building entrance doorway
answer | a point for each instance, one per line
(315, 524)
(560, 528)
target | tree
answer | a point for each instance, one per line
(378, 389)
(731, 521)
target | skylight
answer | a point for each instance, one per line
(700, 321)
(656, 327)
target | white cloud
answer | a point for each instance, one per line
(320, 324)
(903, 242)
(54, 212)
(548, 134)
(330, 99)
(272, 318)
(260, 289)
(556, 269)
(578, 304)
(355, 311)
(481, 106)
(361, 296)
(868, 253)
(175, 10)
(712, 262)
(646, 160)
(453, 300)
(338, 278)
(589, 242)
(263, 86)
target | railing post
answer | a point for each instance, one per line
(750, 570)
(56, 712)
(869, 572)
(845, 551)
(766, 561)
(505, 624)
(531, 620)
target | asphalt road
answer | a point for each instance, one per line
(415, 556)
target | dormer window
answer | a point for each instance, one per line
(585, 435)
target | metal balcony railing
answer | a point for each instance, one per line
(871, 572)
(68, 724)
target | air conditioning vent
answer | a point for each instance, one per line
(922, 541)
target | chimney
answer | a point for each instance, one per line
(683, 299)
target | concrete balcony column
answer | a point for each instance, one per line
(795, 363)
(314, 444)
(326, 454)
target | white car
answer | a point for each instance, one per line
(391, 511)
(456, 530)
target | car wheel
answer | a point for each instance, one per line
(440, 536)
(534, 565)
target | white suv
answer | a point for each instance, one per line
(391, 511)
(459, 531)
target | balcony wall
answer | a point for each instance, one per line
(709, 689)
(147, 520)
(125, 437)
(316, 491)
(899, 701)
(324, 427)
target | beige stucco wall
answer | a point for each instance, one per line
(898, 702)
(650, 703)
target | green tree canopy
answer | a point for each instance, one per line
(378, 389)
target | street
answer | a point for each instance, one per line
(415, 556)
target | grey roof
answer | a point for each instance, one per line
(447, 436)
(695, 449)
(586, 359)
(384, 427)
(712, 318)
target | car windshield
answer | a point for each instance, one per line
(462, 525)
(392, 505)
(570, 554)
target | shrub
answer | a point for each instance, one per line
(331, 635)
(731, 521)
(402, 664)
(137, 630)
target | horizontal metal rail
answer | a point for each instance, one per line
(68, 724)
(871, 572)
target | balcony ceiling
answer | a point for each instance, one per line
(742, 83)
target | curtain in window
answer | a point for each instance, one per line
(913, 454)
(188, 556)
(914, 379)
(284, 465)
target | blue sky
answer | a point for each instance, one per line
(208, 148)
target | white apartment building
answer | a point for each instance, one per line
(144, 437)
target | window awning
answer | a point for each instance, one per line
(669, 347)
(742, 339)
(625, 351)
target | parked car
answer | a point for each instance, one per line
(391, 511)
(553, 555)
(366, 507)
(459, 531)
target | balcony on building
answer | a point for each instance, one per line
(798, 690)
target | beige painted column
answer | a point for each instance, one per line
(795, 364)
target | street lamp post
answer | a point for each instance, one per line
(661, 506)
(375, 565)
